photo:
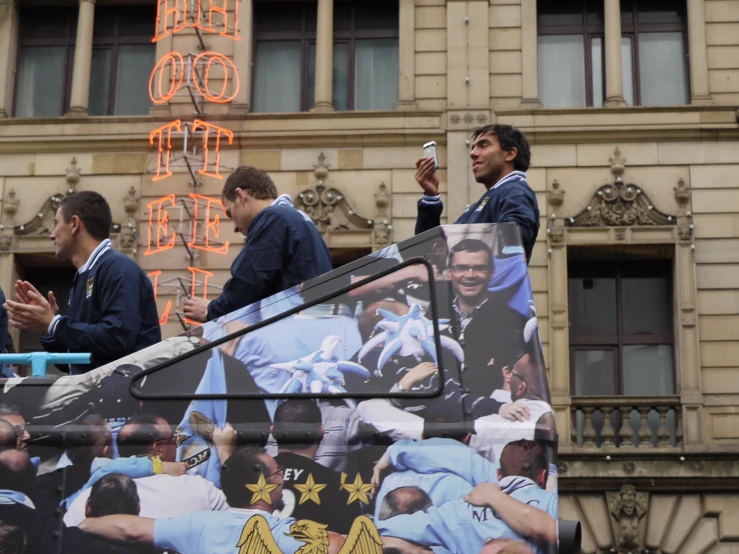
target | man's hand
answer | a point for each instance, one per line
(225, 441)
(483, 494)
(426, 176)
(34, 313)
(515, 412)
(197, 309)
(422, 371)
(381, 465)
(26, 293)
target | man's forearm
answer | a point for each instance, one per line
(525, 520)
(125, 528)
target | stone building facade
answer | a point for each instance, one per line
(632, 110)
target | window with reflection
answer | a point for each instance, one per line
(621, 334)
(571, 53)
(365, 55)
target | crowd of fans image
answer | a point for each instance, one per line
(401, 406)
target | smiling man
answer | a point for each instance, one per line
(283, 248)
(500, 156)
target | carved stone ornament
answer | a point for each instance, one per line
(562, 468)
(682, 193)
(556, 196)
(73, 176)
(558, 234)
(620, 234)
(629, 468)
(620, 205)
(43, 222)
(628, 510)
(131, 202)
(382, 200)
(6, 241)
(684, 232)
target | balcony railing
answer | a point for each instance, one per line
(610, 422)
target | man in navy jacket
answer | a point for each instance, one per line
(111, 311)
(283, 248)
(500, 156)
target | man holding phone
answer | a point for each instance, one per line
(500, 156)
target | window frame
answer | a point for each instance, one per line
(69, 43)
(635, 28)
(619, 270)
(588, 31)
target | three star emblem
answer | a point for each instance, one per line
(357, 490)
(261, 491)
(309, 490)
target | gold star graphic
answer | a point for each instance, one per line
(261, 491)
(309, 490)
(358, 490)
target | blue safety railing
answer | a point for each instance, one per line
(39, 360)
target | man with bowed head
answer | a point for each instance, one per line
(500, 156)
(111, 312)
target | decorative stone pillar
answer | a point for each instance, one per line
(529, 55)
(80, 97)
(614, 67)
(8, 43)
(698, 56)
(407, 55)
(128, 230)
(10, 208)
(243, 57)
(324, 57)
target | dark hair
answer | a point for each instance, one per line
(249, 179)
(114, 494)
(244, 467)
(8, 436)
(12, 539)
(471, 245)
(404, 500)
(137, 435)
(83, 440)
(509, 138)
(523, 458)
(297, 421)
(92, 209)
(9, 409)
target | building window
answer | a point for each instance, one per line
(123, 57)
(655, 54)
(45, 59)
(621, 333)
(365, 56)
(571, 53)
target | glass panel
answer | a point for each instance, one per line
(646, 305)
(596, 53)
(592, 306)
(342, 16)
(627, 66)
(104, 26)
(658, 11)
(627, 12)
(40, 82)
(595, 12)
(135, 62)
(594, 373)
(662, 69)
(376, 74)
(278, 16)
(277, 76)
(47, 22)
(559, 13)
(340, 78)
(376, 15)
(134, 21)
(648, 370)
(99, 81)
(561, 71)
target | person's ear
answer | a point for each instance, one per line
(511, 154)
(76, 224)
(507, 374)
(500, 474)
(88, 510)
(541, 478)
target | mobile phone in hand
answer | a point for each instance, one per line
(429, 151)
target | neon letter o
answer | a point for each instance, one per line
(178, 73)
(216, 57)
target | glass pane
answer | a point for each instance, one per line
(278, 16)
(277, 76)
(646, 305)
(648, 370)
(592, 306)
(376, 74)
(40, 81)
(341, 76)
(559, 13)
(594, 375)
(595, 12)
(662, 69)
(627, 12)
(134, 21)
(378, 14)
(99, 81)
(105, 17)
(561, 71)
(47, 23)
(658, 11)
(135, 62)
(627, 67)
(596, 53)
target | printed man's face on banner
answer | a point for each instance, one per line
(471, 273)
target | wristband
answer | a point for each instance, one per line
(156, 461)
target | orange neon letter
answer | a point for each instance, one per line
(213, 224)
(165, 318)
(207, 127)
(157, 95)
(160, 228)
(223, 10)
(211, 60)
(193, 271)
(158, 134)
(179, 11)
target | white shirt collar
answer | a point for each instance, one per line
(102, 247)
(511, 176)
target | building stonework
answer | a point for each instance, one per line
(669, 482)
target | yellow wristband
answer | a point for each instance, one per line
(156, 461)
